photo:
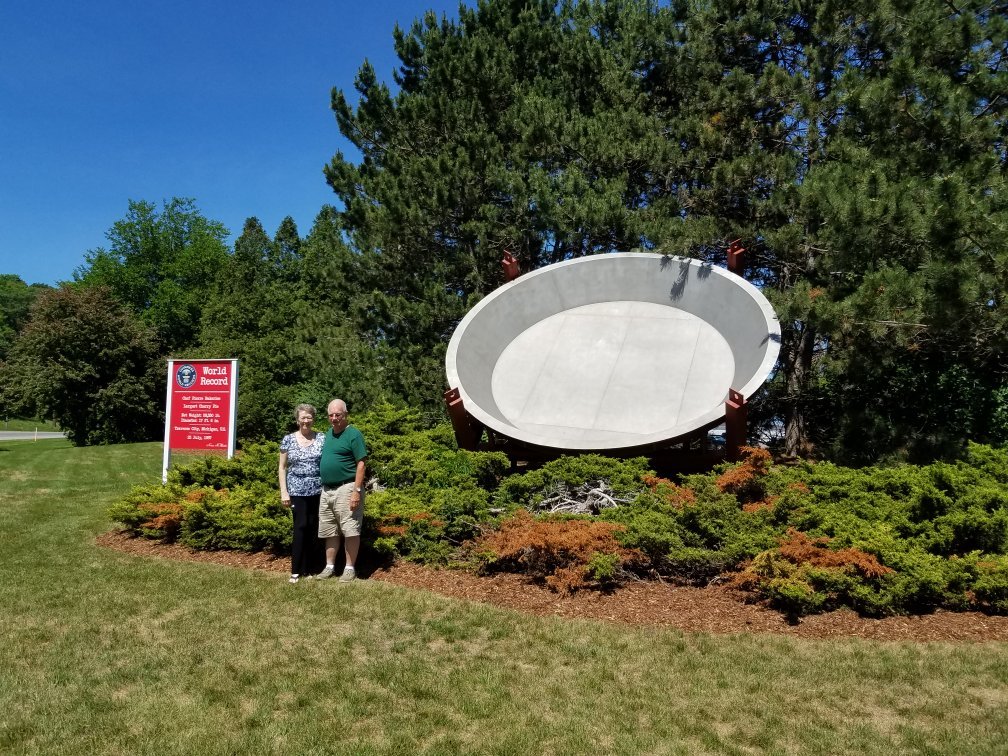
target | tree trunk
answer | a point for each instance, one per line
(797, 367)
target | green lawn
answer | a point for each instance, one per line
(14, 424)
(106, 653)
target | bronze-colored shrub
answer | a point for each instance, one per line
(803, 574)
(677, 496)
(758, 506)
(745, 480)
(164, 519)
(799, 548)
(557, 552)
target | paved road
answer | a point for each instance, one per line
(26, 435)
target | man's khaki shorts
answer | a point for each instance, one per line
(335, 517)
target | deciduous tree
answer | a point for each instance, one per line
(86, 361)
(16, 298)
(161, 264)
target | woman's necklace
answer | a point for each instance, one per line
(303, 440)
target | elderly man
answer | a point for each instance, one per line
(341, 507)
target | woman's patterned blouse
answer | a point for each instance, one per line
(303, 465)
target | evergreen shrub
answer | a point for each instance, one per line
(247, 518)
(990, 583)
(929, 526)
(252, 463)
(528, 489)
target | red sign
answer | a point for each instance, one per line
(200, 411)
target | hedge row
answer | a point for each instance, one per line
(806, 538)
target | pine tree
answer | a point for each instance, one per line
(251, 315)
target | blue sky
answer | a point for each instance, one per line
(106, 101)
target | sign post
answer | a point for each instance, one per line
(201, 407)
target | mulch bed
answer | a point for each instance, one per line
(707, 610)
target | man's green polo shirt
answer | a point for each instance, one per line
(340, 455)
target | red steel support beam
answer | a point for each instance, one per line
(735, 424)
(510, 266)
(468, 430)
(735, 257)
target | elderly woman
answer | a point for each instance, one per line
(300, 487)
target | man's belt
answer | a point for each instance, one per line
(328, 487)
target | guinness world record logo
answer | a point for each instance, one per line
(185, 376)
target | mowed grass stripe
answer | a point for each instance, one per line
(107, 653)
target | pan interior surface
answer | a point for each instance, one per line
(638, 368)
